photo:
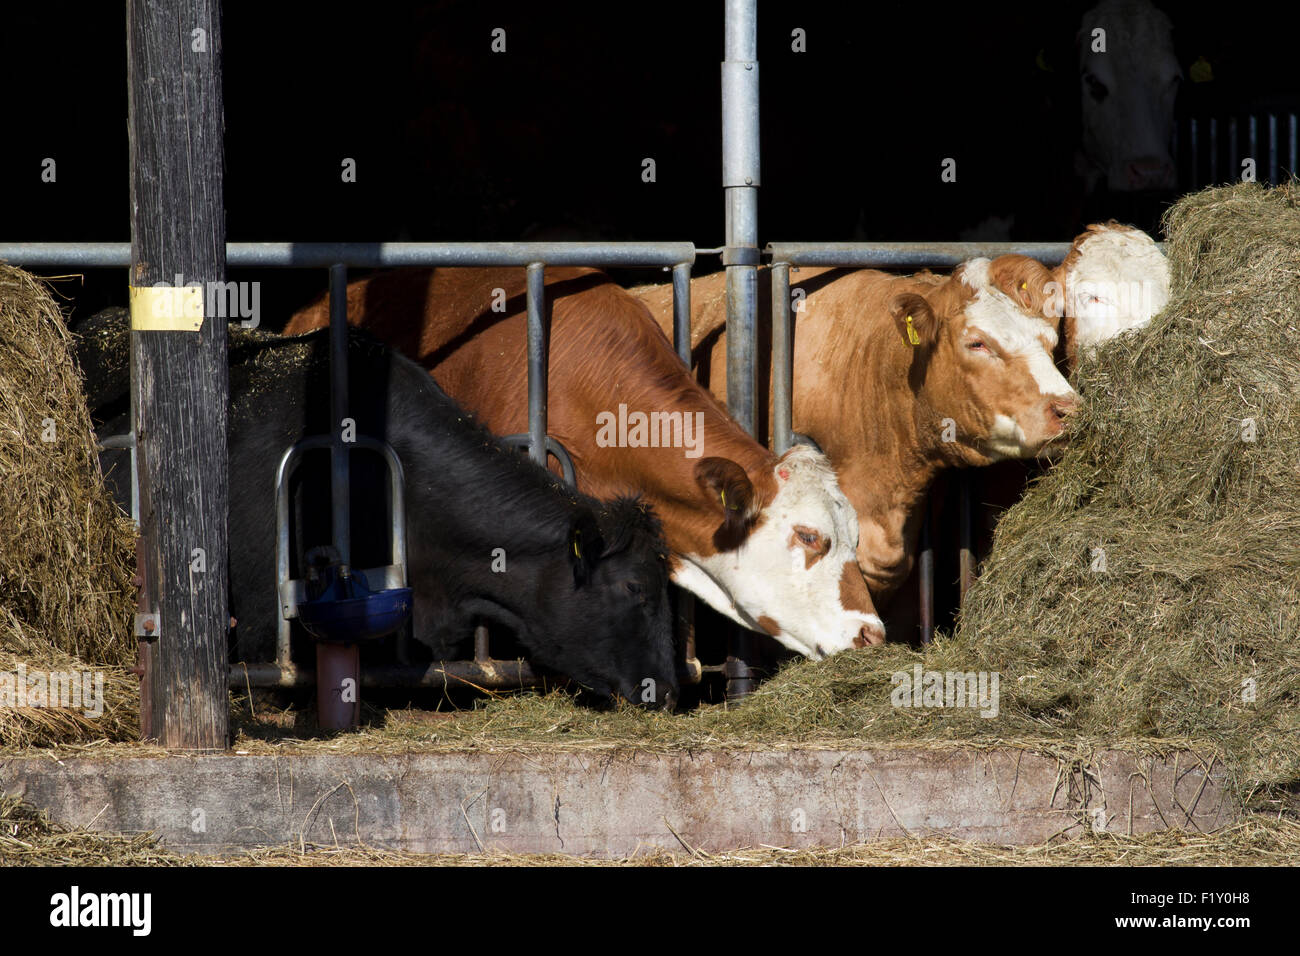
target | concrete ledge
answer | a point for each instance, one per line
(612, 803)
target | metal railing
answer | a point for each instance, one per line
(534, 256)
(1206, 145)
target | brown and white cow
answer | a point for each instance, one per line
(1114, 279)
(768, 542)
(897, 378)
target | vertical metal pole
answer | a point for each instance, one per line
(925, 575)
(1234, 167)
(537, 363)
(1252, 141)
(1272, 149)
(682, 311)
(481, 643)
(1291, 150)
(966, 556)
(1194, 147)
(1214, 151)
(340, 476)
(782, 359)
(740, 181)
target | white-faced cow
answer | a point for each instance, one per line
(1129, 82)
(1114, 279)
(897, 378)
(492, 537)
(767, 541)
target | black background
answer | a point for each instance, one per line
(546, 141)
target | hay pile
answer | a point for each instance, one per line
(1199, 526)
(66, 553)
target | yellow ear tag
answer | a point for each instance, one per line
(577, 535)
(1024, 285)
(911, 333)
(723, 493)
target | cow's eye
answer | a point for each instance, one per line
(977, 346)
(633, 588)
(809, 538)
(1096, 88)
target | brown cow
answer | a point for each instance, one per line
(897, 378)
(769, 542)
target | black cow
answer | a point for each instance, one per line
(584, 584)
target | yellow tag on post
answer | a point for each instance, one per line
(911, 333)
(166, 308)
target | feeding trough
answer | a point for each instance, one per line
(345, 609)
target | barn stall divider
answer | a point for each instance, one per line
(741, 256)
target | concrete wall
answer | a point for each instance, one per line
(611, 803)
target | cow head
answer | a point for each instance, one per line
(784, 557)
(982, 367)
(602, 613)
(1115, 279)
(1127, 95)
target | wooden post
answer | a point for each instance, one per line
(179, 379)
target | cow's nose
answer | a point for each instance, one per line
(1152, 172)
(871, 633)
(1062, 407)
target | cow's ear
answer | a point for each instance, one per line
(585, 547)
(915, 319)
(731, 491)
(1026, 281)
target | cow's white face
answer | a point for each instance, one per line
(1118, 282)
(1006, 352)
(1128, 95)
(795, 575)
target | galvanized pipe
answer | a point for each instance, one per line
(340, 476)
(782, 359)
(488, 674)
(966, 554)
(538, 346)
(682, 311)
(1193, 149)
(371, 255)
(740, 256)
(1293, 124)
(1252, 143)
(1214, 151)
(1234, 167)
(908, 255)
(925, 576)
(481, 654)
(1272, 149)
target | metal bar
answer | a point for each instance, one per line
(481, 644)
(966, 531)
(488, 674)
(372, 255)
(340, 476)
(908, 255)
(682, 311)
(740, 181)
(553, 447)
(1272, 149)
(782, 360)
(1252, 140)
(1234, 167)
(1214, 151)
(1194, 152)
(1292, 152)
(925, 578)
(537, 364)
